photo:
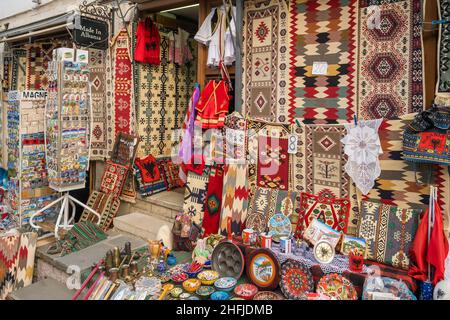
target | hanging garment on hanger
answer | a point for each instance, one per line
(212, 107)
(186, 147)
(219, 39)
(147, 43)
(179, 51)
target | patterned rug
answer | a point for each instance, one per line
(255, 129)
(443, 83)
(397, 183)
(195, 195)
(104, 204)
(319, 166)
(235, 197)
(323, 31)
(266, 62)
(113, 178)
(25, 262)
(38, 57)
(213, 203)
(18, 72)
(162, 95)
(9, 254)
(273, 162)
(97, 77)
(121, 104)
(390, 60)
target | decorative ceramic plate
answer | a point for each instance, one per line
(263, 269)
(268, 295)
(246, 291)
(279, 226)
(296, 280)
(208, 277)
(225, 284)
(179, 268)
(220, 295)
(205, 291)
(193, 298)
(337, 287)
(228, 260)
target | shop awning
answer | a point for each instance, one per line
(42, 27)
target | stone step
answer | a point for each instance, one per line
(141, 225)
(47, 289)
(55, 267)
(165, 205)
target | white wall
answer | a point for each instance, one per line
(9, 8)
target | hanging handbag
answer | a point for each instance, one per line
(427, 138)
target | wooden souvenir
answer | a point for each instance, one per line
(263, 269)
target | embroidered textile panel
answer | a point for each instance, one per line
(390, 60)
(213, 204)
(319, 166)
(162, 95)
(389, 232)
(323, 31)
(9, 254)
(104, 204)
(113, 178)
(266, 61)
(18, 72)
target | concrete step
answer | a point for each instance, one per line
(140, 225)
(47, 289)
(55, 267)
(165, 205)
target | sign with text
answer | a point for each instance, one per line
(91, 33)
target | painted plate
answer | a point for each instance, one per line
(296, 280)
(268, 295)
(228, 260)
(279, 226)
(226, 283)
(246, 291)
(263, 269)
(337, 287)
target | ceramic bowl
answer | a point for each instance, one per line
(194, 273)
(225, 283)
(179, 277)
(220, 295)
(205, 291)
(165, 277)
(246, 291)
(208, 277)
(175, 292)
(207, 264)
(193, 298)
(191, 285)
(185, 296)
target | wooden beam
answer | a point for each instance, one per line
(202, 54)
(160, 5)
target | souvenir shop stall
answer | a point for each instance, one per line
(328, 180)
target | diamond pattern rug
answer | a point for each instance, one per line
(323, 31)
(390, 59)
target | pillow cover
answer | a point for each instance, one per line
(389, 232)
(333, 212)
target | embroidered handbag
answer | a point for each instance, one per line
(427, 138)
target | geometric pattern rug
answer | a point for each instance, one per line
(319, 166)
(323, 31)
(390, 60)
(162, 94)
(97, 77)
(443, 83)
(397, 183)
(266, 61)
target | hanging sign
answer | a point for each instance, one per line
(91, 33)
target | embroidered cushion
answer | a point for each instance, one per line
(170, 172)
(388, 231)
(149, 169)
(324, 207)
